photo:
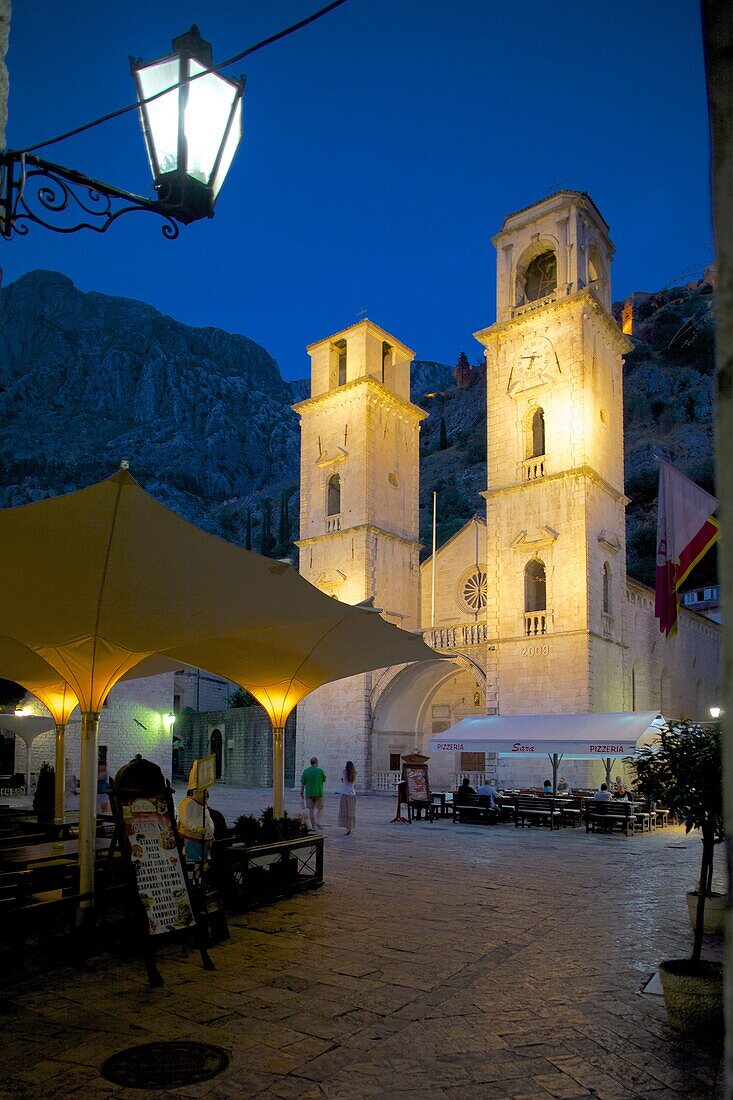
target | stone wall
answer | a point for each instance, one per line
(246, 738)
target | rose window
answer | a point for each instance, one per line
(474, 591)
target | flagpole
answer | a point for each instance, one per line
(432, 593)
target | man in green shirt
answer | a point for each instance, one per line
(311, 791)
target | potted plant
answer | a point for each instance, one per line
(686, 772)
(266, 872)
(44, 797)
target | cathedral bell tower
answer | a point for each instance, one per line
(556, 546)
(359, 486)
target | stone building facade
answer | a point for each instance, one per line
(532, 603)
(135, 719)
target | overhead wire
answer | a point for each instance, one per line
(206, 72)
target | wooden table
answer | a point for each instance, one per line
(28, 854)
(442, 803)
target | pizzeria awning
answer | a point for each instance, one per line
(578, 736)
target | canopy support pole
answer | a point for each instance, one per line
(278, 770)
(88, 799)
(60, 787)
(555, 759)
(28, 756)
(609, 765)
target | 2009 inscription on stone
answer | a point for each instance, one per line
(157, 863)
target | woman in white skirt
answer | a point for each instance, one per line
(347, 805)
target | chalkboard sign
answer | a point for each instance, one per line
(417, 783)
(159, 876)
(145, 830)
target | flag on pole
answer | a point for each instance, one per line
(685, 532)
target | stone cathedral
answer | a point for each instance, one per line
(531, 605)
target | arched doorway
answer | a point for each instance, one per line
(419, 701)
(216, 748)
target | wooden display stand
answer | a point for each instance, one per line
(146, 834)
(414, 789)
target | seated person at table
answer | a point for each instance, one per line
(547, 787)
(488, 790)
(620, 794)
(563, 786)
(602, 794)
(465, 788)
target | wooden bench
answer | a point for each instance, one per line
(32, 900)
(536, 811)
(606, 816)
(474, 809)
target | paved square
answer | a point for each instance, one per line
(438, 960)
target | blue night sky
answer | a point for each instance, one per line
(383, 146)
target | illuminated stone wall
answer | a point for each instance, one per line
(134, 720)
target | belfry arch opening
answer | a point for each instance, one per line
(536, 272)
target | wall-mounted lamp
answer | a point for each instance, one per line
(192, 124)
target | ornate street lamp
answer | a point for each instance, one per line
(192, 127)
(192, 122)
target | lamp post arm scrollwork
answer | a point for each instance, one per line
(33, 190)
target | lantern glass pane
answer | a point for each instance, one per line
(162, 114)
(233, 139)
(209, 105)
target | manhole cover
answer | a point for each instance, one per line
(165, 1065)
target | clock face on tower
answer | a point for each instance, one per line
(535, 364)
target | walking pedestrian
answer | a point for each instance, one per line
(347, 805)
(311, 791)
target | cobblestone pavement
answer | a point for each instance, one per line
(438, 960)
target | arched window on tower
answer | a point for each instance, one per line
(537, 440)
(340, 353)
(541, 277)
(535, 598)
(333, 496)
(606, 587)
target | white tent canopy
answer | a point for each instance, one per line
(580, 736)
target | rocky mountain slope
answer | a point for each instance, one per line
(204, 417)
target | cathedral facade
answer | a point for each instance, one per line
(531, 604)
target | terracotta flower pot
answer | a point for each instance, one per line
(693, 994)
(714, 912)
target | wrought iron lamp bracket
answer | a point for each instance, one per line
(33, 190)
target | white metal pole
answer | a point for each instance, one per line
(435, 540)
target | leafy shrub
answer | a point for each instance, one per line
(266, 829)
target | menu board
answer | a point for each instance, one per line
(157, 862)
(417, 784)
